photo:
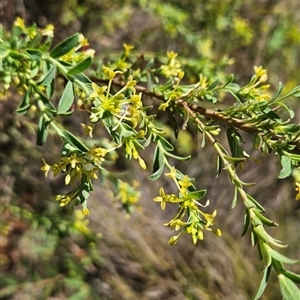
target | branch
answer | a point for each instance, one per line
(218, 116)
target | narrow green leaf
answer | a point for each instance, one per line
(257, 204)
(277, 256)
(126, 131)
(286, 164)
(149, 80)
(157, 174)
(34, 54)
(291, 275)
(82, 66)
(73, 140)
(219, 166)
(234, 159)
(4, 52)
(15, 55)
(288, 288)
(197, 195)
(48, 77)
(213, 85)
(158, 158)
(235, 198)
(263, 283)
(84, 79)
(50, 89)
(66, 99)
(65, 46)
(264, 248)
(42, 131)
(246, 222)
(264, 220)
(25, 104)
(165, 144)
(178, 157)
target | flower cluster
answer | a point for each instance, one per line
(173, 66)
(255, 90)
(196, 220)
(124, 105)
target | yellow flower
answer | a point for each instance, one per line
(184, 183)
(48, 30)
(97, 90)
(172, 173)
(110, 73)
(127, 49)
(297, 190)
(88, 129)
(161, 198)
(20, 23)
(46, 168)
(85, 211)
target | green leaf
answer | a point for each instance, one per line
(213, 85)
(286, 164)
(219, 166)
(126, 131)
(66, 99)
(197, 195)
(16, 55)
(42, 132)
(34, 54)
(277, 256)
(65, 46)
(264, 249)
(257, 204)
(235, 198)
(263, 283)
(4, 52)
(68, 137)
(157, 174)
(165, 144)
(82, 66)
(178, 157)
(48, 77)
(246, 222)
(234, 159)
(264, 220)
(25, 104)
(84, 79)
(158, 158)
(293, 276)
(288, 288)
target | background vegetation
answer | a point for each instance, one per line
(47, 253)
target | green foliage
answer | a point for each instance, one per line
(113, 98)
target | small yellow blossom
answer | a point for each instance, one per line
(127, 48)
(88, 129)
(46, 168)
(184, 183)
(19, 22)
(161, 198)
(85, 211)
(110, 73)
(48, 30)
(172, 173)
